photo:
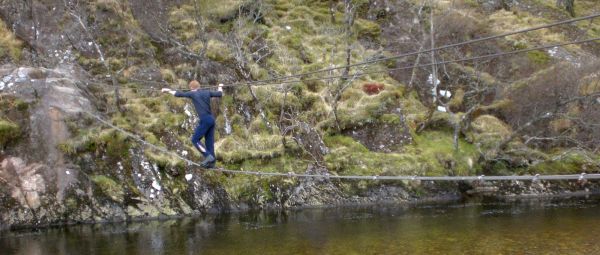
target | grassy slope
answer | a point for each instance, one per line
(303, 39)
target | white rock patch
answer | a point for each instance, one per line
(155, 185)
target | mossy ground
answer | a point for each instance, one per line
(431, 154)
(588, 7)
(505, 21)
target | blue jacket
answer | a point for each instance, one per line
(201, 99)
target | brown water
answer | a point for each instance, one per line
(559, 226)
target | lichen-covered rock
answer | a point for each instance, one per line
(26, 182)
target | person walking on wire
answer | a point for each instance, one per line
(206, 126)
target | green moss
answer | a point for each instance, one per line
(151, 138)
(21, 105)
(273, 99)
(164, 161)
(457, 99)
(437, 147)
(107, 5)
(116, 64)
(256, 190)
(569, 164)
(220, 10)
(390, 119)
(487, 132)
(71, 203)
(258, 146)
(168, 75)
(368, 109)
(471, 3)
(431, 154)
(67, 148)
(258, 126)
(108, 187)
(87, 142)
(293, 41)
(116, 144)
(242, 188)
(367, 28)
(413, 110)
(218, 51)
(176, 186)
(91, 64)
(539, 57)
(9, 132)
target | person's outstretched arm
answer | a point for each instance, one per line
(177, 93)
(219, 92)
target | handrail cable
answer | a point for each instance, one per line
(272, 80)
(500, 54)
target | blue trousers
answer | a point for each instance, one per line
(206, 129)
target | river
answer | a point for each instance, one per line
(547, 226)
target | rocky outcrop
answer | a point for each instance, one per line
(42, 185)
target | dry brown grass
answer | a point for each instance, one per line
(10, 46)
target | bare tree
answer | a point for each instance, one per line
(155, 23)
(337, 89)
(349, 13)
(250, 53)
(413, 74)
(551, 110)
(569, 6)
(434, 76)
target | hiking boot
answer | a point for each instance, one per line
(209, 165)
(209, 162)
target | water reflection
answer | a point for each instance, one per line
(478, 227)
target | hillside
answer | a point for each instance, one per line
(535, 112)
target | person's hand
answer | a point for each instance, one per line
(220, 87)
(168, 90)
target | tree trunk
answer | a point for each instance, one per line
(433, 66)
(349, 22)
(570, 7)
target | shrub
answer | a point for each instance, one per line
(557, 93)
